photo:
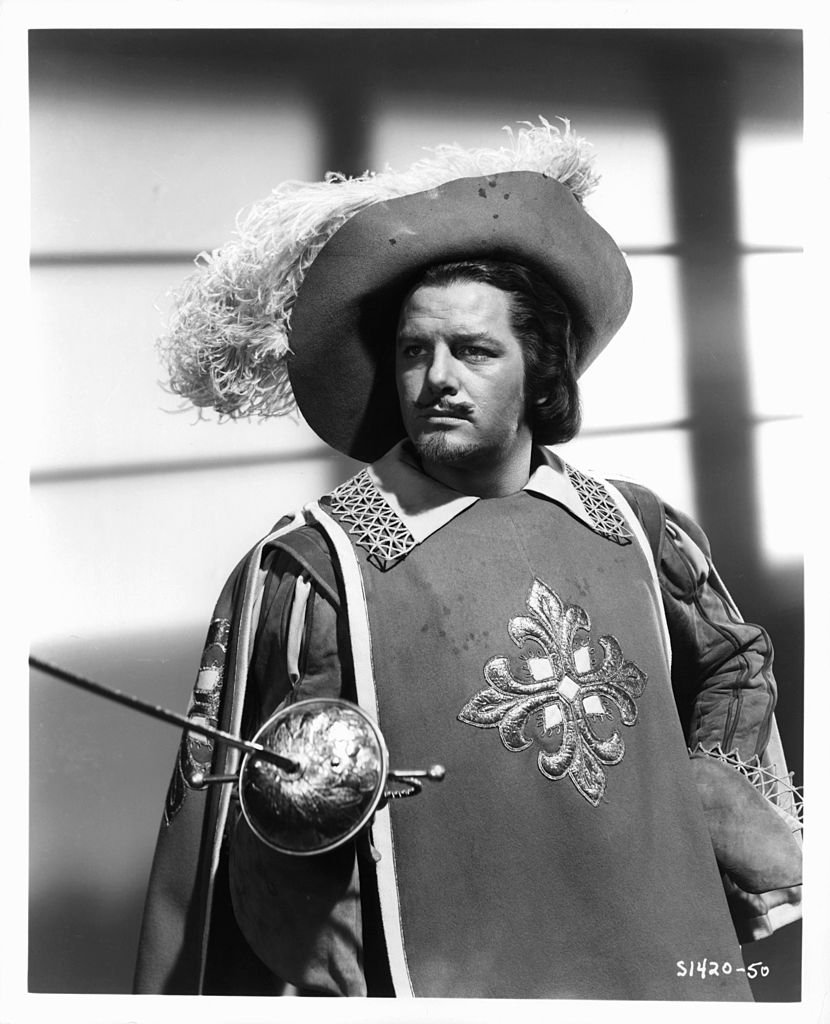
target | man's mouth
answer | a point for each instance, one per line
(433, 412)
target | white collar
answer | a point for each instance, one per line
(423, 505)
(392, 506)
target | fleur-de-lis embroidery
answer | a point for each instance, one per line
(562, 691)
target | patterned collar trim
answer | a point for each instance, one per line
(375, 525)
(603, 512)
(392, 506)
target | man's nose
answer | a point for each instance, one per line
(441, 373)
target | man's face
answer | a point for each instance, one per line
(460, 374)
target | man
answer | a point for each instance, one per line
(560, 643)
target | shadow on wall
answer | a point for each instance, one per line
(83, 941)
(97, 779)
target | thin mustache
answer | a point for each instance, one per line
(460, 409)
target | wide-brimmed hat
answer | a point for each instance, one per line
(344, 320)
(300, 309)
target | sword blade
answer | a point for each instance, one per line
(163, 714)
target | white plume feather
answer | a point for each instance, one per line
(229, 336)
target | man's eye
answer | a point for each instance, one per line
(474, 352)
(412, 351)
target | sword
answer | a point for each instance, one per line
(412, 778)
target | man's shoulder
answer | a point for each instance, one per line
(646, 503)
(307, 541)
(680, 546)
(300, 545)
(657, 515)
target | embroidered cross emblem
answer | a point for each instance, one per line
(561, 691)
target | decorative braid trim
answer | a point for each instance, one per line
(606, 518)
(778, 789)
(372, 521)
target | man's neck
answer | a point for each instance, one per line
(484, 478)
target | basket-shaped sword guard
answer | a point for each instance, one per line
(340, 776)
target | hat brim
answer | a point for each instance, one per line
(344, 320)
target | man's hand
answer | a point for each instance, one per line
(757, 915)
(753, 840)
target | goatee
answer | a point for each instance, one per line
(440, 450)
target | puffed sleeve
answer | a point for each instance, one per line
(721, 666)
(726, 694)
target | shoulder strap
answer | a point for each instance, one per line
(649, 510)
(310, 549)
(360, 642)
